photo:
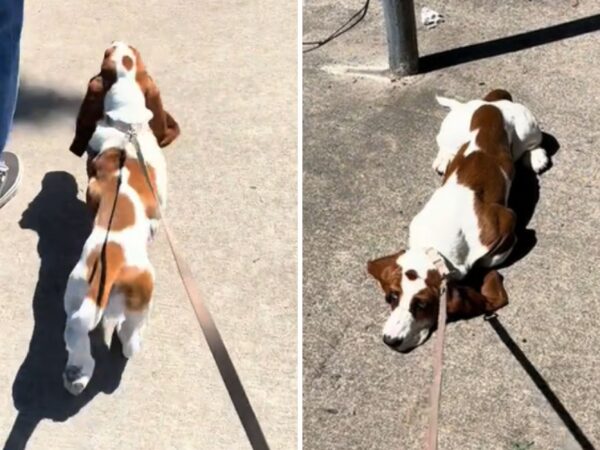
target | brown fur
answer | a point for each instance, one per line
(498, 94)
(137, 286)
(102, 188)
(114, 263)
(388, 273)
(482, 171)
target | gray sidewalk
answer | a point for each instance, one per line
(231, 85)
(368, 149)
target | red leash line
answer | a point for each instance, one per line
(436, 386)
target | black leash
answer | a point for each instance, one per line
(102, 258)
(347, 26)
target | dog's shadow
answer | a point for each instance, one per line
(62, 223)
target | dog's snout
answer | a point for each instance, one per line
(392, 341)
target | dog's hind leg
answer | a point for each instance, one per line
(80, 363)
(137, 287)
(130, 332)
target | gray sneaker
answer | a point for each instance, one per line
(10, 176)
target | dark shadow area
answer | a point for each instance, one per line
(541, 384)
(509, 44)
(62, 223)
(39, 103)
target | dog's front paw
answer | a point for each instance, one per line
(74, 380)
(537, 160)
(440, 164)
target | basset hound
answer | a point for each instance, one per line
(114, 279)
(466, 222)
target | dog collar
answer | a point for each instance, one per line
(123, 127)
(438, 261)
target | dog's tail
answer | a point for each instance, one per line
(448, 102)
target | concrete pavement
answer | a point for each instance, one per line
(231, 84)
(368, 148)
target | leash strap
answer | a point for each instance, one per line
(438, 352)
(213, 338)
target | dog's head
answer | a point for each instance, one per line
(411, 285)
(124, 88)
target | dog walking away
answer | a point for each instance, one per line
(113, 281)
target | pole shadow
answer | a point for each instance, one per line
(62, 222)
(509, 44)
(541, 384)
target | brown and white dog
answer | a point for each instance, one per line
(467, 222)
(114, 279)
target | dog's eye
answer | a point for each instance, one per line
(392, 298)
(411, 275)
(420, 305)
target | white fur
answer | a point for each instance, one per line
(124, 102)
(449, 224)
(523, 131)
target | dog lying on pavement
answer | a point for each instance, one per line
(113, 280)
(466, 222)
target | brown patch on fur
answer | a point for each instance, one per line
(137, 286)
(90, 112)
(124, 215)
(389, 274)
(102, 189)
(127, 62)
(498, 94)
(113, 262)
(425, 304)
(484, 171)
(163, 125)
(497, 226)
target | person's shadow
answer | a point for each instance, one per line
(62, 223)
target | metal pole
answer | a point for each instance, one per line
(401, 30)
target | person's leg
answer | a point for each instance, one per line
(11, 24)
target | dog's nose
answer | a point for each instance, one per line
(392, 341)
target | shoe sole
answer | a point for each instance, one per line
(8, 195)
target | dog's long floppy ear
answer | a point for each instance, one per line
(498, 94)
(90, 112)
(163, 125)
(387, 271)
(465, 301)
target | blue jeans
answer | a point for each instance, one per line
(11, 23)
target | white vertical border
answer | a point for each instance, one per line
(299, 231)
